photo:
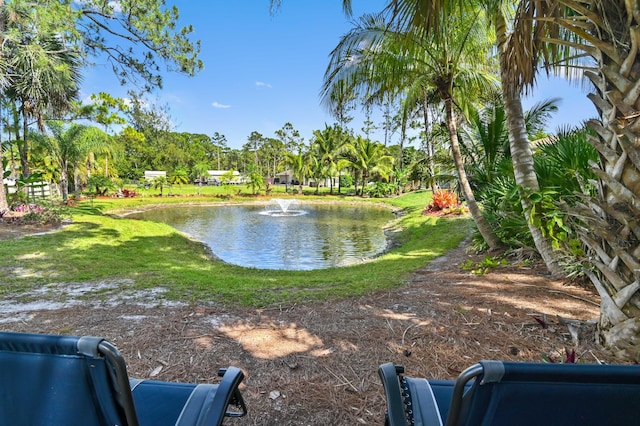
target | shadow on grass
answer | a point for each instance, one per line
(155, 255)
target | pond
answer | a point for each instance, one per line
(309, 236)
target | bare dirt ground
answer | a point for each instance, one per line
(316, 363)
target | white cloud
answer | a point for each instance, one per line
(117, 8)
(114, 4)
(219, 105)
(263, 84)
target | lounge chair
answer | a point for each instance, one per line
(508, 393)
(67, 380)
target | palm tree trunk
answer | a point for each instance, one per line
(64, 181)
(355, 183)
(365, 178)
(521, 154)
(23, 146)
(3, 195)
(76, 180)
(431, 163)
(610, 219)
(483, 225)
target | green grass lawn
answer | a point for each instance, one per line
(99, 245)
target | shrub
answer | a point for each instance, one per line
(379, 190)
(443, 199)
(346, 181)
(39, 214)
(16, 199)
(101, 184)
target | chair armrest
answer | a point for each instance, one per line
(229, 393)
(396, 415)
(209, 404)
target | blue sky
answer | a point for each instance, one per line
(262, 71)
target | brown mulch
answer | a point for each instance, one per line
(316, 363)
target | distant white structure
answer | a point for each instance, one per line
(215, 177)
(152, 174)
(285, 178)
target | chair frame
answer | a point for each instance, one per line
(496, 392)
(114, 397)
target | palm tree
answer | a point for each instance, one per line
(518, 55)
(453, 63)
(486, 141)
(518, 52)
(3, 83)
(298, 165)
(369, 158)
(4, 205)
(519, 49)
(607, 32)
(36, 70)
(179, 177)
(159, 182)
(327, 146)
(256, 181)
(201, 171)
(45, 77)
(68, 146)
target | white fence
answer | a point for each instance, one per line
(37, 190)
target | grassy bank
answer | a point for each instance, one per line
(100, 246)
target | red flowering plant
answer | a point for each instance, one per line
(444, 201)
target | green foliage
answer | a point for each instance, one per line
(327, 148)
(563, 163)
(546, 215)
(46, 43)
(346, 181)
(106, 110)
(299, 166)
(369, 158)
(68, 146)
(20, 197)
(483, 267)
(379, 189)
(503, 210)
(400, 179)
(256, 182)
(179, 177)
(100, 183)
(227, 178)
(562, 167)
(134, 36)
(200, 171)
(160, 182)
(486, 143)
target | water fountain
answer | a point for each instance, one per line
(283, 207)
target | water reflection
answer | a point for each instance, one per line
(326, 236)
